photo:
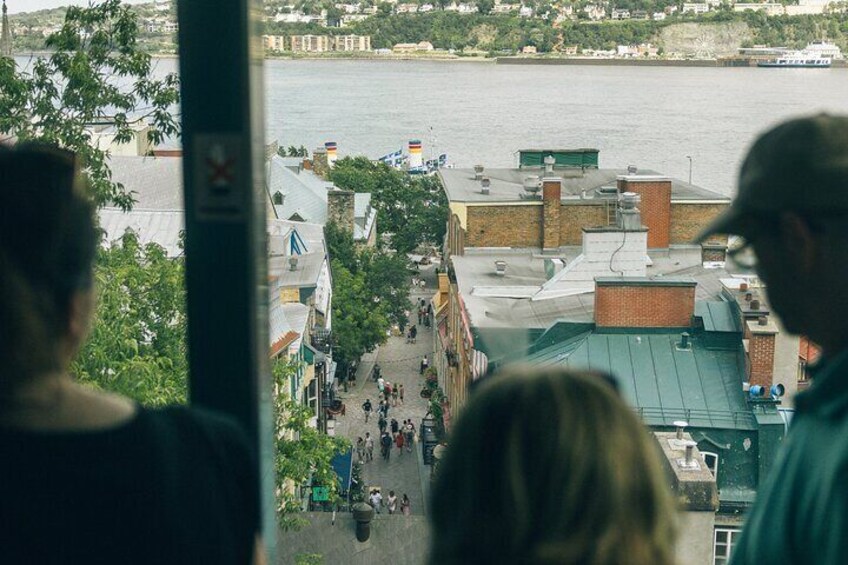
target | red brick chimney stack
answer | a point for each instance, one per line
(655, 191)
(642, 302)
(551, 196)
(761, 335)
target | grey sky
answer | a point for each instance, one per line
(17, 6)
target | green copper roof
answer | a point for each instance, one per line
(663, 381)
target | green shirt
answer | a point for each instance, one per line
(801, 512)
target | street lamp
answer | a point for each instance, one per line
(690, 168)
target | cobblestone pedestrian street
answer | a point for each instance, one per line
(399, 362)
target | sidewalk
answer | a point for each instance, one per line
(399, 361)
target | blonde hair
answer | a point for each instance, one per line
(550, 467)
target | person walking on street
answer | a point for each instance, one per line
(391, 502)
(425, 363)
(367, 408)
(376, 500)
(360, 449)
(399, 443)
(405, 506)
(395, 426)
(791, 213)
(400, 393)
(386, 445)
(413, 333)
(409, 436)
(381, 423)
(381, 384)
(387, 390)
(395, 397)
(369, 447)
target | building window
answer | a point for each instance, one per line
(711, 460)
(802, 370)
(725, 541)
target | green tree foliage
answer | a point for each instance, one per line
(137, 345)
(360, 320)
(304, 455)
(96, 73)
(413, 209)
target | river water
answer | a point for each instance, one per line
(651, 117)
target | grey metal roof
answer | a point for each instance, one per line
(663, 381)
(475, 272)
(306, 273)
(311, 234)
(506, 185)
(156, 182)
(285, 318)
(305, 194)
(151, 226)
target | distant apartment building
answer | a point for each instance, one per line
(695, 8)
(595, 12)
(770, 8)
(274, 42)
(620, 14)
(352, 43)
(310, 43)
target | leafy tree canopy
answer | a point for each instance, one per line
(413, 209)
(137, 345)
(304, 455)
(96, 74)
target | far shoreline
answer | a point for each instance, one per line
(730, 62)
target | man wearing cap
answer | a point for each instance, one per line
(791, 214)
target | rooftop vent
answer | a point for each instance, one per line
(478, 172)
(532, 186)
(684, 341)
(293, 263)
(743, 286)
(500, 268)
(762, 321)
(681, 426)
(632, 169)
(629, 200)
(607, 191)
(549, 161)
(689, 463)
(485, 182)
(755, 304)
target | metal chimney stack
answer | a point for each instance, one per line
(627, 215)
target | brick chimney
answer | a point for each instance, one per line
(762, 334)
(642, 302)
(320, 165)
(551, 195)
(340, 208)
(655, 191)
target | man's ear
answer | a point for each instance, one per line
(799, 241)
(80, 310)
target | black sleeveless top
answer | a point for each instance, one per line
(175, 485)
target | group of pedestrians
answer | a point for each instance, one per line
(389, 394)
(375, 499)
(391, 433)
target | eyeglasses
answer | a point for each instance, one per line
(741, 253)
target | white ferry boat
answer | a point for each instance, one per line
(798, 59)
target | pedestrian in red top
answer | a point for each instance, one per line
(399, 442)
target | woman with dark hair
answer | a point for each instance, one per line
(550, 467)
(88, 476)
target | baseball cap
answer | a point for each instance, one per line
(798, 166)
